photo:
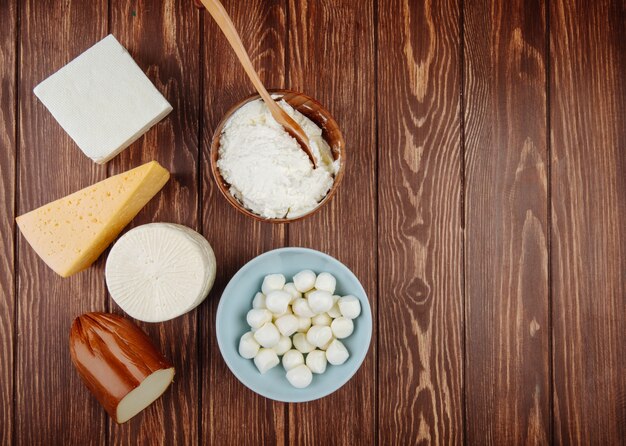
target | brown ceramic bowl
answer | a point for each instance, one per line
(312, 110)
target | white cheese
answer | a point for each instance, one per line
(103, 100)
(159, 271)
(267, 170)
(299, 376)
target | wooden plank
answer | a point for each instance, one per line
(420, 233)
(231, 413)
(588, 146)
(337, 68)
(506, 258)
(8, 83)
(52, 404)
(163, 38)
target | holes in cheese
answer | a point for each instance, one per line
(69, 234)
(118, 364)
(160, 271)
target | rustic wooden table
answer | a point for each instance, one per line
(483, 209)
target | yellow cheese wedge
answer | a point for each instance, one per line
(70, 234)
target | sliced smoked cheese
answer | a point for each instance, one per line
(159, 271)
(118, 364)
(70, 234)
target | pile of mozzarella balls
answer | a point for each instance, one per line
(303, 317)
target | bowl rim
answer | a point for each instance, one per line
(221, 183)
(358, 358)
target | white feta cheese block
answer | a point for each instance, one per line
(159, 271)
(103, 100)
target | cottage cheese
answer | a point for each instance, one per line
(266, 168)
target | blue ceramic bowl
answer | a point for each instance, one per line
(236, 301)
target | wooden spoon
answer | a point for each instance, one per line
(216, 9)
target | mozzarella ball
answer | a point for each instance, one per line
(304, 323)
(300, 376)
(308, 293)
(319, 335)
(272, 282)
(248, 346)
(321, 319)
(301, 308)
(283, 346)
(300, 343)
(257, 317)
(287, 324)
(320, 301)
(334, 310)
(316, 361)
(326, 282)
(304, 280)
(291, 289)
(266, 359)
(349, 306)
(268, 335)
(277, 301)
(292, 358)
(342, 327)
(336, 353)
(325, 346)
(276, 316)
(258, 302)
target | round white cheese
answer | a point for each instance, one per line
(160, 271)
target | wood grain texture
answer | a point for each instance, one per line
(493, 256)
(231, 413)
(420, 233)
(162, 38)
(337, 68)
(8, 152)
(50, 397)
(506, 261)
(588, 117)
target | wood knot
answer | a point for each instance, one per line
(534, 327)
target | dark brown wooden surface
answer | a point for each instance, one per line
(483, 210)
(163, 39)
(339, 67)
(588, 166)
(51, 403)
(8, 83)
(420, 368)
(507, 334)
(231, 413)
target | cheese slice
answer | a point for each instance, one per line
(70, 234)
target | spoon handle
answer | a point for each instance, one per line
(221, 17)
(216, 9)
